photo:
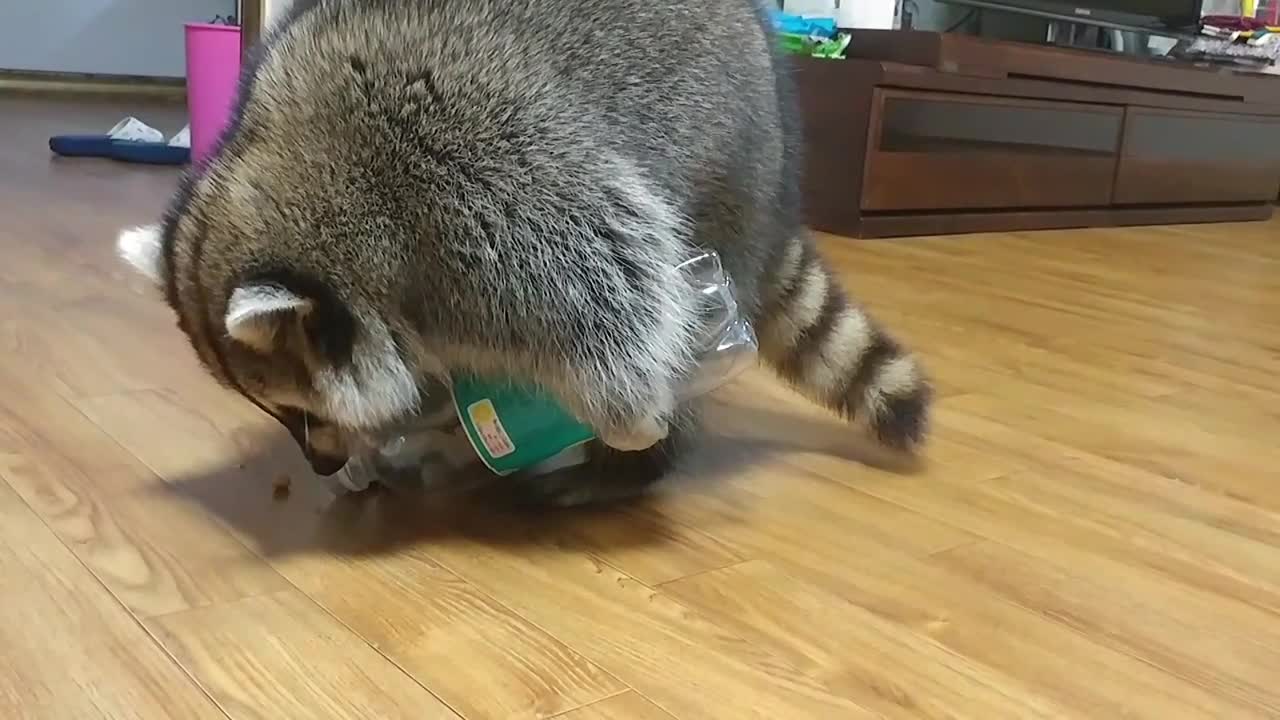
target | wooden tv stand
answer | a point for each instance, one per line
(925, 133)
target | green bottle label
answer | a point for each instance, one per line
(513, 427)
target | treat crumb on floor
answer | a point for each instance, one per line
(280, 486)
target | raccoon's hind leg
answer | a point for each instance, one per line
(626, 392)
(626, 336)
(609, 475)
(619, 375)
(833, 352)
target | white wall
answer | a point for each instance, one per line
(111, 37)
(273, 9)
(1221, 7)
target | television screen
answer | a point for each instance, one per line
(1174, 14)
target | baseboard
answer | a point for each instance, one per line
(81, 84)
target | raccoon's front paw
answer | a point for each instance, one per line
(640, 436)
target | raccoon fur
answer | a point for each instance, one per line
(412, 187)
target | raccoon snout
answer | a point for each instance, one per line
(325, 465)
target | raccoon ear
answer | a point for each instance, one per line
(256, 313)
(140, 247)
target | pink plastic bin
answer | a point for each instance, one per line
(213, 69)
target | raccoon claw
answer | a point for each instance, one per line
(641, 436)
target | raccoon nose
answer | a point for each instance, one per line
(325, 465)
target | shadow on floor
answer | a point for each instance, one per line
(468, 506)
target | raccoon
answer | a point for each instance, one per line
(415, 187)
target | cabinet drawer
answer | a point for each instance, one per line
(942, 151)
(1174, 156)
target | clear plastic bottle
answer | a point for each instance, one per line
(728, 342)
(434, 444)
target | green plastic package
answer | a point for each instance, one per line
(834, 48)
(830, 49)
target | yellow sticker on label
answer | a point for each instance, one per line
(490, 429)
(482, 412)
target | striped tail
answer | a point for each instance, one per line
(830, 350)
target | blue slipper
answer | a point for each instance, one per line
(149, 153)
(175, 152)
(129, 129)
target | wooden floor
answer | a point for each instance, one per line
(1095, 535)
